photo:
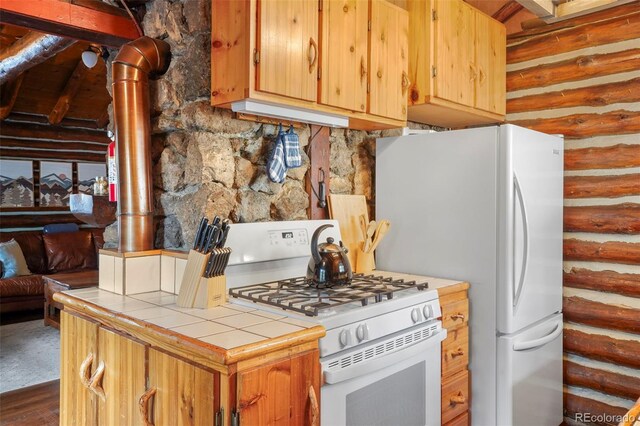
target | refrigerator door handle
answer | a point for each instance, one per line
(517, 291)
(536, 343)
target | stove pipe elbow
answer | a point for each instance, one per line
(136, 62)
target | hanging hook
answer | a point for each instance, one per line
(322, 189)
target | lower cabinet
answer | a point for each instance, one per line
(109, 378)
(455, 357)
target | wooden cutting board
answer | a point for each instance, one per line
(347, 209)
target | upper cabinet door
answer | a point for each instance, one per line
(454, 52)
(389, 62)
(287, 48)
(490, 45)
(344, 59)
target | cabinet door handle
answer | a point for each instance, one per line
(315, 409)
(457, 353)
(85, 370)
(456, 317)
(363, 69)
(457, 399)
(95, 384)
(405, 81)
(313, 53)
(143, 404)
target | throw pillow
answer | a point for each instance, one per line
(13, 261)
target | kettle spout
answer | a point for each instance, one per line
(314, 243)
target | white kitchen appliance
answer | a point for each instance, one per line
(381, 356)
(484, 205)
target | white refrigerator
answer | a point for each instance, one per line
(484, 205)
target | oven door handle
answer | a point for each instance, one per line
(365, 367)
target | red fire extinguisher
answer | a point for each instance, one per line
(113, 172)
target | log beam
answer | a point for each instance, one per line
(584, 311)
(590, 35)
(319, 159)
(601, 380)
(52, 145)
(36, 131)
(575, 69)
(613, 219)
(578, 126)
(9, 94)
(619, 156)
(603, 94)
(576, 406)
(32, 49)
(602, 186)
(610, 251)
(68, 93)
(109, 26)
(507, 11)
(602, 348)
(605, 281)
(50, 155)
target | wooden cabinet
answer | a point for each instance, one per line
(313, 56)
(457, 64)
(455, 355)
(109, 377)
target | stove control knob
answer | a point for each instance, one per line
(416, 315)
(362, 332)
(345, 338)
(427, 311)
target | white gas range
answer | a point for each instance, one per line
(381, 355)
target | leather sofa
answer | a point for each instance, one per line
(47, 254)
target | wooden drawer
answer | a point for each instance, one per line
(461, 420)
(455, 314)
(455, 396)
(455, 351)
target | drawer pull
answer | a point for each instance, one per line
(315, 409)
(85, 370)
(458, 316)
(458, 399)
(143, 404)
(459, 352)
(95, 384)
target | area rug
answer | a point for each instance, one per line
(29, 354)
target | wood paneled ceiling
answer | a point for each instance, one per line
(44, 83)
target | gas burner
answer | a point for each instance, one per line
(300, 294)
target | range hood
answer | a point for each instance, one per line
(279, 112)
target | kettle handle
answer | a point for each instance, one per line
(314, 243)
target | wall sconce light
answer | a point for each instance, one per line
(90, 56)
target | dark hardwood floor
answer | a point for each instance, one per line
(36, 405)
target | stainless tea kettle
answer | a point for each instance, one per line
(329, 264)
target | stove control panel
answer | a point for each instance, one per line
(376, 327)
(289, 237)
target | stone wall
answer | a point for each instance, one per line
(207, 162)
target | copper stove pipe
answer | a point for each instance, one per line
(131, 69)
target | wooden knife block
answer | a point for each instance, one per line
(211, 292)
(196, 262)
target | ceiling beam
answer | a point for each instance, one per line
(540, 8)
(68, 93)
(98, 24)
(507, 11)
(31, 50)
(9, 95)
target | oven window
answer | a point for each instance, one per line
(399, 399)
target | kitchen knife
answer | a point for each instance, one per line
(210, 237)
(225, 233)
(209, 267)
(216, 220)
(200, 231)
(214, 239)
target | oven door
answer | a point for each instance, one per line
(398, 388)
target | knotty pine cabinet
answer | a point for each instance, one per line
(457, 64)
(455, 387)
(109, 377)
(341, 57)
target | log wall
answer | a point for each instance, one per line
(581, 78)
(31, 137)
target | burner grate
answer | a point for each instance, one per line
(300, 295)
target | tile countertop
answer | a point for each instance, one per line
(228, 327)
(442, 285)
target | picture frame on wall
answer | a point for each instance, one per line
(87, 173)
(56, 184)
(16, 183)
